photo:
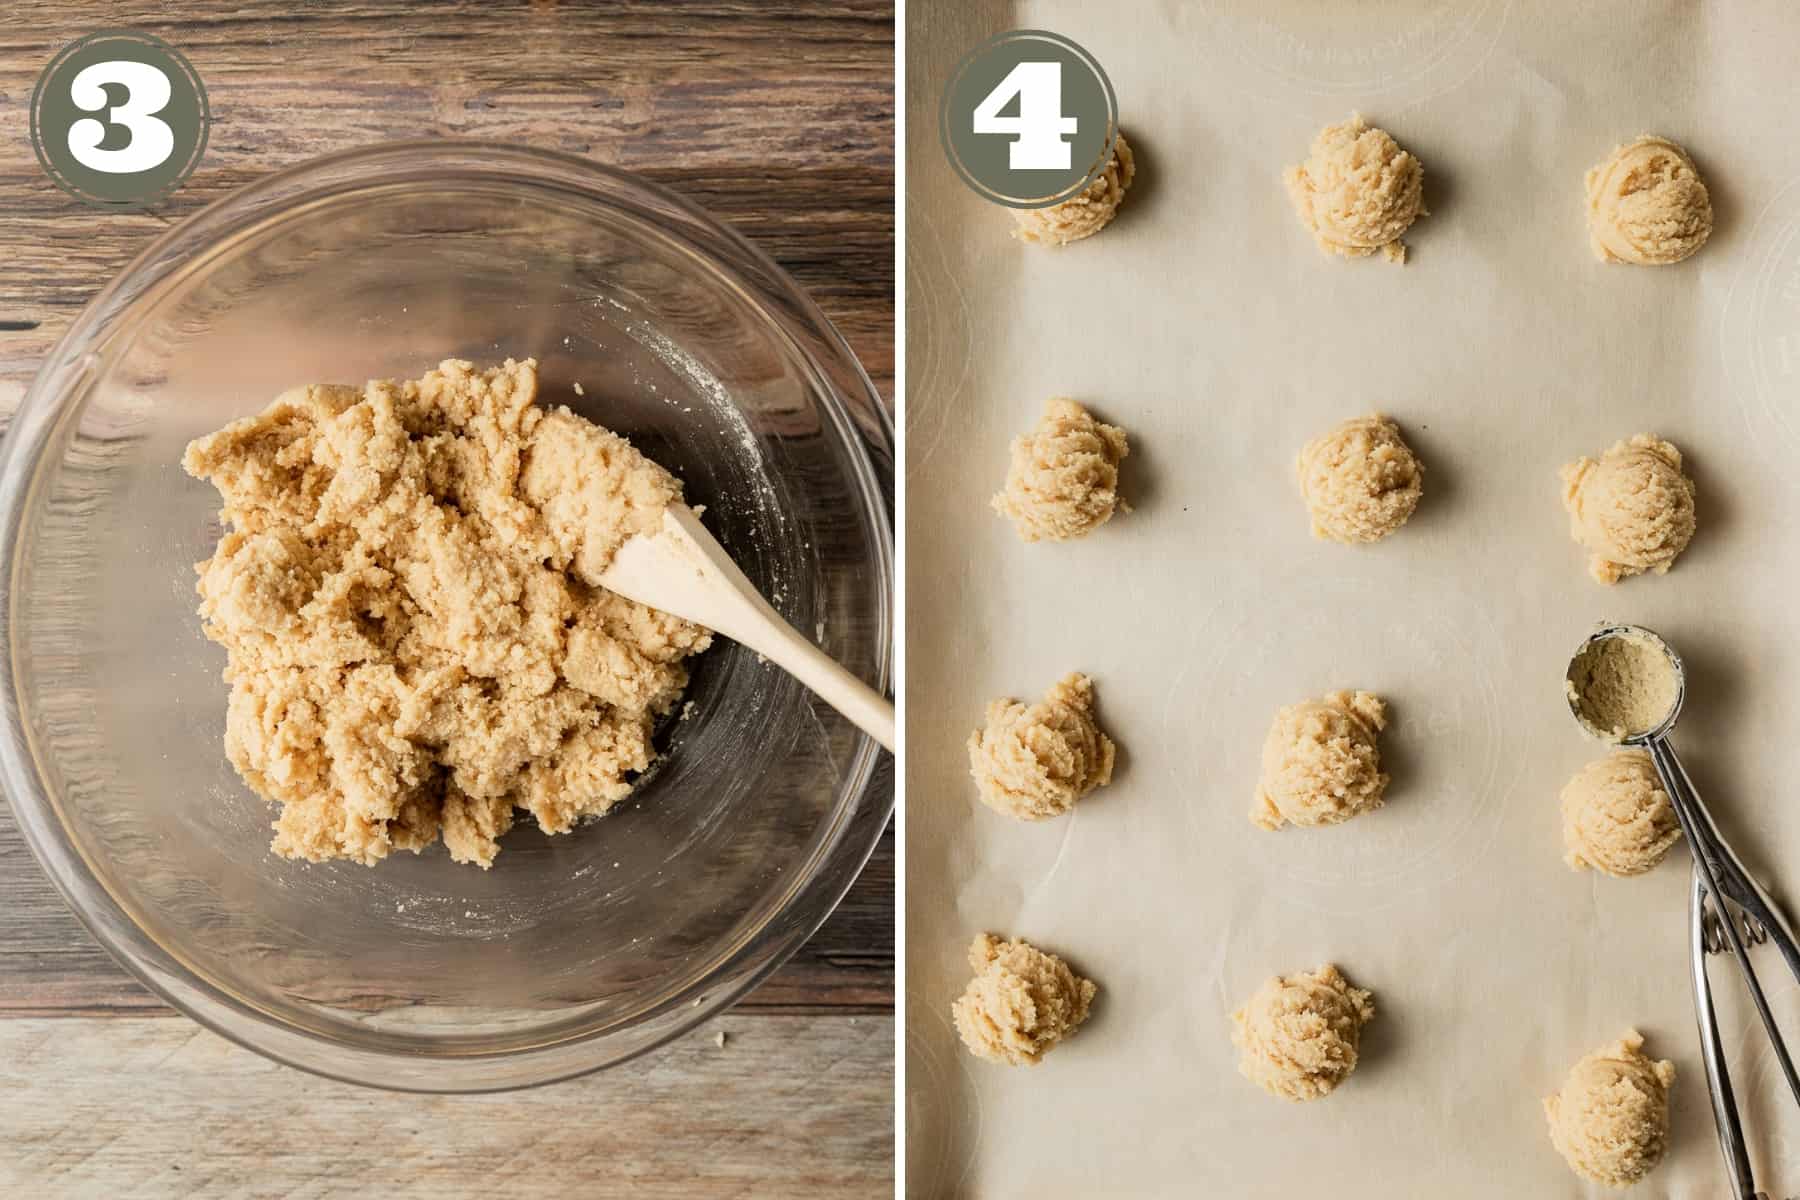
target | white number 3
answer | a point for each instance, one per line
(1039, 128)
(146, 93)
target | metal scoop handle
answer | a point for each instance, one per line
(1723, 862)
(1719, 876)
(1712, 1050)
(1718, 863)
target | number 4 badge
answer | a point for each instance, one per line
(1027, 119)
(1039, 128)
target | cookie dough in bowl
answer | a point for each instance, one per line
(1358, 192)
(1320, 762)
(1610, 1118)
(408, 594)
(1021, 1004)
(1632, 509)
(1647, 204)
(1085, 214)
(1299, 1035)
(1616, 818)
(1360, 481)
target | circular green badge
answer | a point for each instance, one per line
(119, 119)
(1028, 119)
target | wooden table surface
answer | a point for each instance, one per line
(778, 117)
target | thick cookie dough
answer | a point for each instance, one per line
(1298, 1035)
(1361, 481)
(1647, 205)
(1616, 818)
(1610, 1121)
(1631, 508)
(416, 647)
(1358, 191)
(1034, 761)
(1021, 1003)
(1320, 763)
(1623, 685)
(1063, 478)
(1085, 213)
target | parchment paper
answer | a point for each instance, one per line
(1207, 324)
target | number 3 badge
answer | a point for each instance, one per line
(119, 119)
(1028, 119)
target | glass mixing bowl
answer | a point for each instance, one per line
(574, 952)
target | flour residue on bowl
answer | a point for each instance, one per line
(714, 395)
(763, 513)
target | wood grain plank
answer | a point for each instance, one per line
(790, 1106)
(779, 119)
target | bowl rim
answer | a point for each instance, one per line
(848, 399)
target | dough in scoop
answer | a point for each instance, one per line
(1632, 508)
(1358, 191)
(1063, 480)
(1034, 761)
(1320, 763)
(1085, 213)
(1361, 481)
(1616, 816)
(1021, 1003)
(1298, 1035)
(1623, 685)
(1647, 204)
(1611, 1118)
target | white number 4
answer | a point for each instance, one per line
(1038, 130)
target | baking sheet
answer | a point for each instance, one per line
(1207, 324)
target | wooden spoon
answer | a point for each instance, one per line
(683, 570)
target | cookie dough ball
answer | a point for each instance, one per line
(1611, 1118)
(1298, 1035)
(1034, 761)
(1063, 480)
(1632, 508)
(1021, 1003)
(1358, 191)
(1616, 816)
(1085, 213)
(1320, 763)
(1647, 205)
(1361, 481)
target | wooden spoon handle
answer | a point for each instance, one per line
(683, 570)
(868, 709)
